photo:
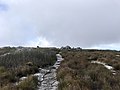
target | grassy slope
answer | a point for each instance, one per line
(23, 62)
(78, 73)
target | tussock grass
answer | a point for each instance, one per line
(78, 73)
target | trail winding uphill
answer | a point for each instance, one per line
(47, 77)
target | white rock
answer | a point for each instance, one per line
(22, 78)
(117, 55)
(106, 66)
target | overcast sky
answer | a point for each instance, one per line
(84, 23)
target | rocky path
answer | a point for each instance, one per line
(106, 66)
(47, 77)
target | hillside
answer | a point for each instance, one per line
(89, 70)
(24, 68)
(18, 62)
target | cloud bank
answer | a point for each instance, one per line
(85, 23)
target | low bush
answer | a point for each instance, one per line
(29, 84)
(78, 73)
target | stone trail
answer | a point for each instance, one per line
(47, 77)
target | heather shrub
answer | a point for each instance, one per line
(78, 73)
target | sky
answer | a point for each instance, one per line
(78, 23)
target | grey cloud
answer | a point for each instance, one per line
(83, 23)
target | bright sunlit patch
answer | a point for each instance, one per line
(40, 41)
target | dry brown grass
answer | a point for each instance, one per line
(78, 73)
